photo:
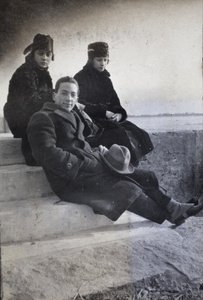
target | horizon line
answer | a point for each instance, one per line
(166, 114)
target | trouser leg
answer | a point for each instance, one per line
(149, 184)
(145, 207)
(104, 193)
(160, 198)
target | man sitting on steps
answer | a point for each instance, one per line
(100, 178)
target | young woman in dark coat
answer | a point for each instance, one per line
(29, 88)
(102, 104)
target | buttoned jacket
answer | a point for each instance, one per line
(58, 144)
(74, 170)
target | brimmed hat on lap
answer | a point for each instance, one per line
(42, 42)
(117, 158)
(98, 49)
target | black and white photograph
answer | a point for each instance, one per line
(101, 150)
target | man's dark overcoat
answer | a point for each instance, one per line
(98, 95)
(75, 170)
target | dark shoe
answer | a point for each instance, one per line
(191, 212)
(31, 163)
(193, 200)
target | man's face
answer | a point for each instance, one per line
(43, 58)
(100, 63)
(67, 95)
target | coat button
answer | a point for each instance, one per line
(69, 166)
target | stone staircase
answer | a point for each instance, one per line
(43, 239)
(31, 213)
(29, 209)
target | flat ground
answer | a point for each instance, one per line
(147, 262)
(173, 284)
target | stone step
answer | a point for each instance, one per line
(177, 161)
(44, 218)
(60, 269)
(10, 150)
(96, 260)
(3, 125)
(22, 182)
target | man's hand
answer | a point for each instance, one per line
(102, 149)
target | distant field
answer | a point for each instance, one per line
(157, 123)
(168, 123)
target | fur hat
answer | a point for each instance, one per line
(42, 42)
(98, 49)
(117, 158)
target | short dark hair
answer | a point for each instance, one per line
(65, 79)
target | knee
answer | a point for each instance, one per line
(107, 208)
(152, 180)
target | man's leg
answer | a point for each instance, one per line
(148, 181)
(174, 211)
(104, 193)
(145, 207)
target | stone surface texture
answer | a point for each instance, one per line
(97, 260)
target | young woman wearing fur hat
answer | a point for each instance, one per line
(100, 101)
(29, 88)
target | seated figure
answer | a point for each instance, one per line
(100, 101)
(101, 178)
(29, 88)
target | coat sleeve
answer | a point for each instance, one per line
(42, 138)
(115, 105)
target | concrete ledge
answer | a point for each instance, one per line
(38, 219)
(96, 260)
(10, 150)
(3, 125)
(22, 182)
(53, 269)
(177, 161)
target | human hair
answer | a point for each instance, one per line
(90, 60)
(66, 79)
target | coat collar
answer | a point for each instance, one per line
(56, 109)
(91, 70)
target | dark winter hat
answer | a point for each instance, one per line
(98, 49)
(117, 158)
(42, 42)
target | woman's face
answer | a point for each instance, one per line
(100, 63)
(43, 58)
